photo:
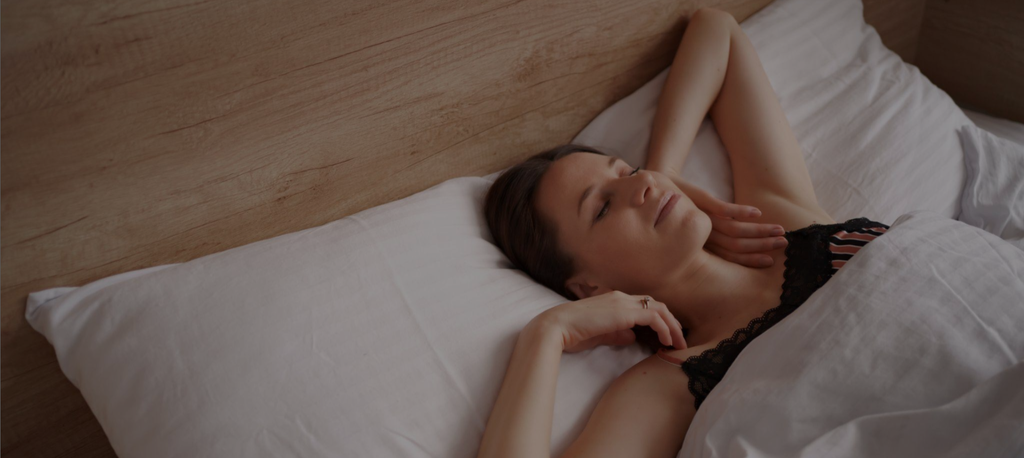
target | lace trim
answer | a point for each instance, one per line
(808, 266)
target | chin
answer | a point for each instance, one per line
(695, 229)
(701, 224)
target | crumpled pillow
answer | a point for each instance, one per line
(993, 197)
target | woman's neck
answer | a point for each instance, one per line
(712, 297)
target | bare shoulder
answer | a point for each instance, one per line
(656, 372)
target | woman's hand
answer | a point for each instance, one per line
(736, 241)
(607, 319)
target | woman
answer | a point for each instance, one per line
(633, 247)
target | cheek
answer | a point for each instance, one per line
(689, 237)
(622, 246)
(646, 252)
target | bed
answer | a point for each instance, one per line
(150, 135)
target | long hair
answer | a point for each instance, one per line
(527, 238)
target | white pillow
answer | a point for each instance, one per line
(1001, 127)
(387, 333)
(993, 198)
(879, 139)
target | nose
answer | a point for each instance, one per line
(643, 181)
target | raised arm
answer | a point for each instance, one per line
(717, 61)
(691, 87)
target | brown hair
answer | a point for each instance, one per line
(527, 238)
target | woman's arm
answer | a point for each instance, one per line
(645, 413)
(520, 424)
(768, 167)
(690, 89)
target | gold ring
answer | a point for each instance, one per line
(644, 301)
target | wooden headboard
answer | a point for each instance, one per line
(152, 132)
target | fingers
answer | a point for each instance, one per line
(676, 329)
(657, 322)
(749, 260)
(712, 205)
(738, 211)
(730, 210)
(660, 318)
(736, 228)
(746, 245)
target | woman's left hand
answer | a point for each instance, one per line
(736, 241)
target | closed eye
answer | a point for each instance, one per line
(607, 203)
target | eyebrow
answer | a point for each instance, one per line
(586, 192)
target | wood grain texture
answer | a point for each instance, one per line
(974, 50)
(898, 22)
(145, 133)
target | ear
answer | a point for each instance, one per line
(584, 287)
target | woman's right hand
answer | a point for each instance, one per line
(607, 319)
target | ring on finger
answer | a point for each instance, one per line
(644, 301)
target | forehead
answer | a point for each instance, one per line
(562, 185)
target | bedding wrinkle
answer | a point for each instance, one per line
(312, 441)
(311, 334)
(998, 339)
(924, 317)
(880, 120)
(1017, 275)
(416, 447)
(832, 56)
(448, 370)
(985, 403)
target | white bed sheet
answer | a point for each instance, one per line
(914, 348)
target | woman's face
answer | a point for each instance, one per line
(612, 235)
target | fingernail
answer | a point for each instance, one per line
(778, 230)
(780, 243)
(755, 212)
(767, 261)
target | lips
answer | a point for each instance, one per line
(665, 206)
